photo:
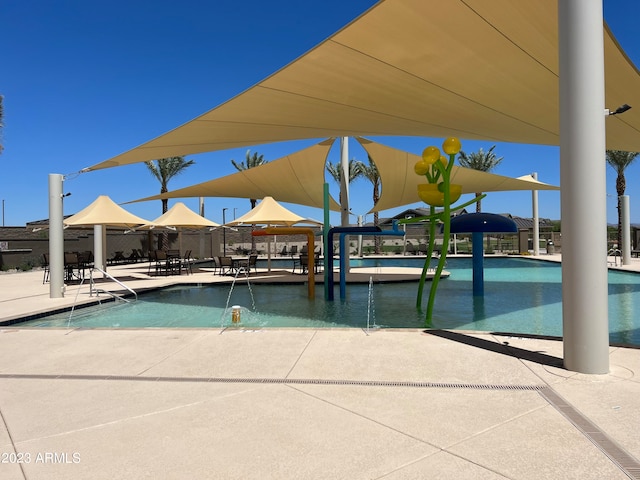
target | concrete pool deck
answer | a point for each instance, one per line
(304, 403)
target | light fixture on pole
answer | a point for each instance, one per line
(620, 109)
(224, 232)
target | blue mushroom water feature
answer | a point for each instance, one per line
(478, 224)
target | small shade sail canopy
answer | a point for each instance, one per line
(104, 211)
(482, 222)
(296, 178)
(403, 68)
(180, 216)
(270, 212)
(400, 182)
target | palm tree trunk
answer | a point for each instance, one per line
(377, 239)
(253, 239)
(478, 206)
(164, 236)
(621, 185)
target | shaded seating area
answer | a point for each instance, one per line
(226, 265)
(166, 263)
(247, 264)
(75, 265)
(302, 263)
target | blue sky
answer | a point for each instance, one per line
(84, 81)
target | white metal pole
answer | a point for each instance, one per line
(98, 247)
(201, 233)
(625, 215)
(56, 237)
(344, 181)
(344, 193)
(536, 218)
(583, 189)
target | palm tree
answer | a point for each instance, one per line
(254, 160)
(335, 170)
(482, 161)
(164, 170)
(620, 160)
(370, 172)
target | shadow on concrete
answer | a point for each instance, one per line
(501, 348)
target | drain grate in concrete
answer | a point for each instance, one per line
(626, 462)
(291, 381)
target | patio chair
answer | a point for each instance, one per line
(248, 264)
(411, 249)
(294, 251)
(71, 262)
(152, 261)
(45, 266)
(303, 263)
(284, 252)
(216, 265)
(166, 263)
(226, 265)
(187, 262)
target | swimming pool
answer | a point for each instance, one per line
(521, 296)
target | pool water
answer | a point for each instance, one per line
(520, 296)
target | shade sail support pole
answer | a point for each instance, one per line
(536, 218)
(56, 237)
(99, 243)
(625, 215)
(583, 189)
(344, 181)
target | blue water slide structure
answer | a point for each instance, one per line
(345, 232)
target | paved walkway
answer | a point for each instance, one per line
(305, 404)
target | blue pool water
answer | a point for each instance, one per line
(521, 296)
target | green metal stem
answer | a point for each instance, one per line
(446, 220)
(427, 261)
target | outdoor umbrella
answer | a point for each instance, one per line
(103, 212)
(180, 217)
(269, 212)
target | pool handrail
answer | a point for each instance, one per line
(91, 288)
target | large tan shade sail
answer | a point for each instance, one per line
(475, 69)
(400, 182)
(104, 211)
(296, 178)
(270, 212)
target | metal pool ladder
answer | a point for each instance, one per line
(98, 291)
(615, 253)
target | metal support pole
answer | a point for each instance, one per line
(536, 219)
(344, 182)
(344, 190)
(626, 229)
(478, 263)
(56, 237)
(99, 244)
(201, 233)
(224, 232)
(583, 189)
